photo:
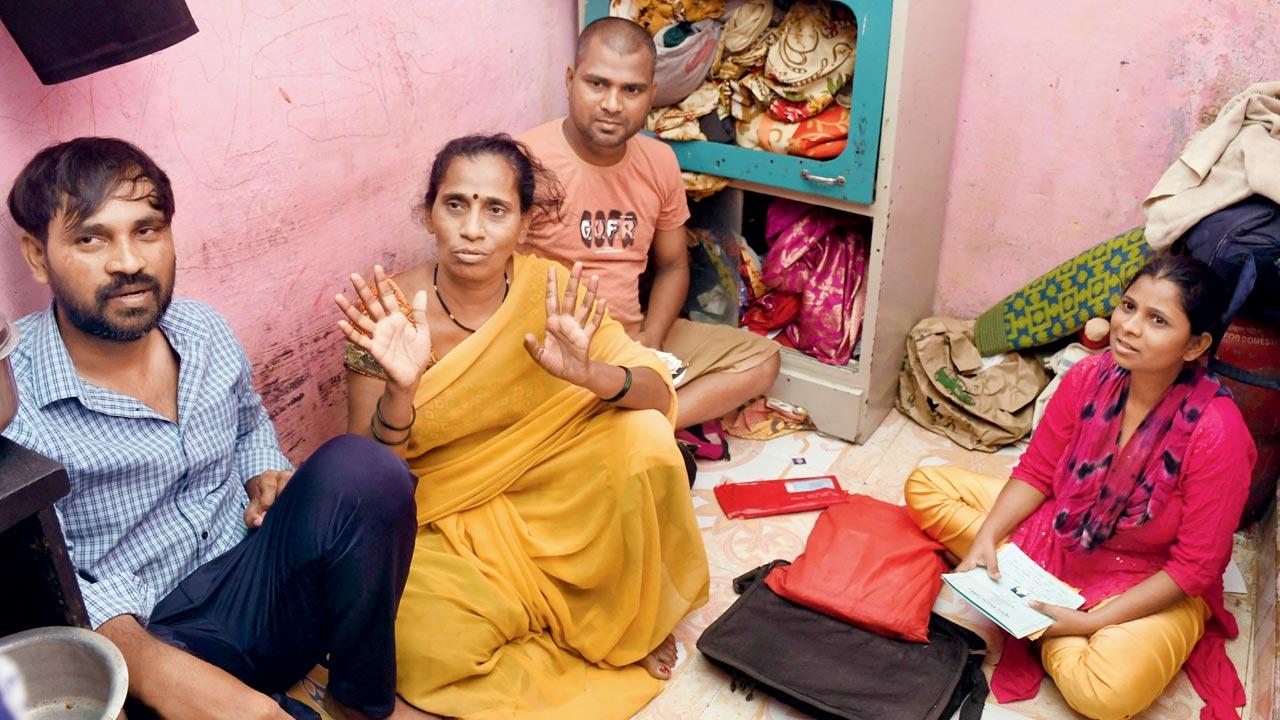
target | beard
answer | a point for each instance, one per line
(607, 141)
(95, 319)
(593, 135)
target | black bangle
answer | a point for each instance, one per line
(626, 386)
(373, 430)
(377, 410)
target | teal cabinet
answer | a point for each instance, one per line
(850, 176)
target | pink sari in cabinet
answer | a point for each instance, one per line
(821, 255)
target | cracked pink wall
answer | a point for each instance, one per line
(1069, 112)
(297, 135)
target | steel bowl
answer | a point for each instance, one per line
(69, 673)
(8, 389)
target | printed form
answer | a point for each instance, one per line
(1005, 601)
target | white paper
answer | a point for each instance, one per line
(1233, 580)
(675, 366)
(803, 486)
(706, 521)
(698, 501)
(1005, 600)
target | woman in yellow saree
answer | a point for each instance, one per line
(557, 547)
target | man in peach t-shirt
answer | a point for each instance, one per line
(624, 199)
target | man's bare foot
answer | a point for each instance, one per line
(661, 660)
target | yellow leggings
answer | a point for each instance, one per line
(1115, 673)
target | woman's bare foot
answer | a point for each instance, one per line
(661, 660)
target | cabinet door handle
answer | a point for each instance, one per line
(820, 179)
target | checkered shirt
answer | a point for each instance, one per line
(151, 500)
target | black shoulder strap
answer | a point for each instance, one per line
(755, 575)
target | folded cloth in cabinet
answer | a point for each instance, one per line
(795, 105)
(700, 186)
(815, 39)
(746, 24)
(822, 137)
(680, 122)
(655, 15)
(744, 41)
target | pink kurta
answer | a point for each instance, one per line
(1189, 538)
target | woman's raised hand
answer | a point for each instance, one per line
(570, 327)
(402, 348)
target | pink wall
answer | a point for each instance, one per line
(297, 136)
(1069, 112)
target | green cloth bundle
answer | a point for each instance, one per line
(1061, 301)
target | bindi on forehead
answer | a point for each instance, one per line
(475, 196)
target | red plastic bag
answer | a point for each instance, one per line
(778, 497)
(868, 564)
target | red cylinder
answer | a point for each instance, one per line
(1254, 346)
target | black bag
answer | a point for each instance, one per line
(1241, 242)
(834, 670)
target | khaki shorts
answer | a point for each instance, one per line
(708, 348)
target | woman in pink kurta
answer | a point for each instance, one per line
(1130, 491)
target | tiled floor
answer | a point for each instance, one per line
(878, 468)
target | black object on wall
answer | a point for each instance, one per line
(67, 39)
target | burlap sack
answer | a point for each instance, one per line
(949, 388)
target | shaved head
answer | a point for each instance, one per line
(619, 35)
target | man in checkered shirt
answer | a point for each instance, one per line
(221, 574)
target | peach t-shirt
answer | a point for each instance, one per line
(610, 213)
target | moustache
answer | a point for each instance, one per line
(136, 280)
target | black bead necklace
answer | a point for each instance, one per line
(435, 284)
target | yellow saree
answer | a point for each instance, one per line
(557, 544)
